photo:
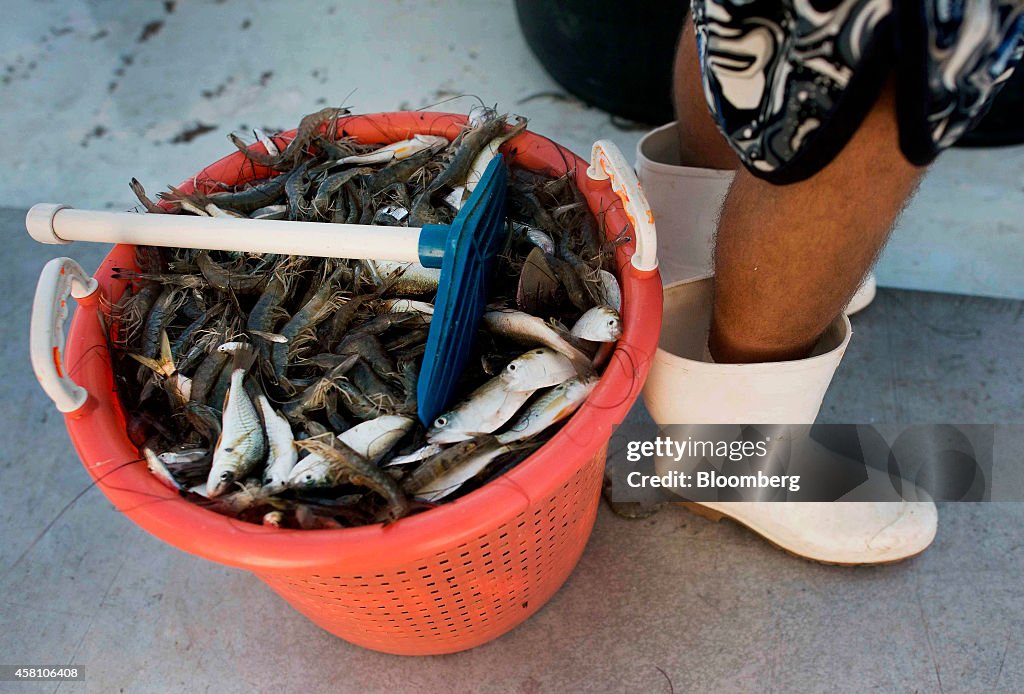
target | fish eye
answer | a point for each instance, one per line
(539, 351)
(511, 366)
(611, 321)
(440, 421)
(224, 476)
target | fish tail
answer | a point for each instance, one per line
(242, 357)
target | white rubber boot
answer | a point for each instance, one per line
(686, 202)
(685, 387)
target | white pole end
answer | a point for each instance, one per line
(39, 222)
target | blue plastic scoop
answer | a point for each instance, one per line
(469, 246)
(464, 251)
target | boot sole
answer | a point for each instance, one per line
(716, 516)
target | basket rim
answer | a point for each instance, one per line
(99, 433)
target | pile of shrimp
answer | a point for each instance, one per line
(282, 389)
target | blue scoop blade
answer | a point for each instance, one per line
(473, 241)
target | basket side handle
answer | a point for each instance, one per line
(60, 278)
(607, 162)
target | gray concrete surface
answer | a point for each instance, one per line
(99, 91)
(671, 603)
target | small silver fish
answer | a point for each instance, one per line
(310, 471)
(530, 330)
(276, 338)
(234, 346)
(397, 150)
(159, 469)
(414, 278)
(408, 306)
(270, 212)
(417, 456)
(242, 443)
(479, 114)
(396, 212)
(538, 368)
(282, 455)
(215, 211)
(429, 471)
(554, 406)
(184, 456)
(611, 293)
(485, 410)
(538, 237)
(371, 440)
(187, 204)
(599, 324)
(461, 473)
(483, 160)
(374, 438)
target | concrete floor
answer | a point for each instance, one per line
(673, 602)
(99, 91)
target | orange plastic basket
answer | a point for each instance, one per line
(441, 581)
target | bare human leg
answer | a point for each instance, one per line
(788, 258)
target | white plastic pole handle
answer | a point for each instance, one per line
(607, 162)
(49, 223)
(60, 277)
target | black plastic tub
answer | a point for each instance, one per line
(614, 55)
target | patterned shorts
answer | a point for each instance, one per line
(789, 81)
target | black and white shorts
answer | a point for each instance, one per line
(789, 81)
